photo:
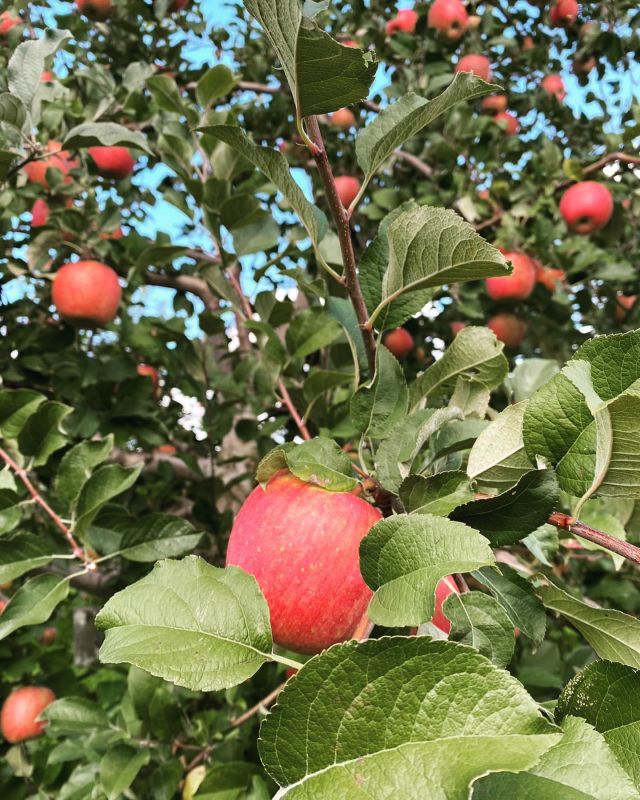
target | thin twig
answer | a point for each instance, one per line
(625, 158)
(37, 497)
(621, 548)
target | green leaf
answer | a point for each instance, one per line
(33, 603)
(321, 462)
(430, 247)
(321, 381)
(404, 557)
(228, 781)
(479, 621)
(579, 767)
(613, 635)
(88, 134)
(16, 406)
(21, 553)
(498, 458)
(190, 623)
(530, 374)
(380, 404)
(471, 397)
(403, 119)
(75, 716)
(474, 353)
(436, 494)
(119, 767)
(311, 330)
(216, 82)
(166, 93)
(273, 462)
(76, 468)
(607, 696)
(275, 167)
(158, 536)
(12, 111)
(28, 62)
(42, 435)
(342, 310)
(102, 486)
(10, 510)
(509, 517)
(444, 715)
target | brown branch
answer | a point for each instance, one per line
(621, 548)
(487, 223)
(341, 219)
(415, 162)
(186, 283)
(625, 158)
(37, 497)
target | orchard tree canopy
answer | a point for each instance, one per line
(319, 400)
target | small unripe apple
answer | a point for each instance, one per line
(113, 162)
(8, 21)
(624, 304)
(39, 213)
(405, 21)
(508, 328)
(549, 277)
(20, 712)
(147, 371)
(86, 293)
(456, 326)
(564, 12)
(449, 18)
(445, 587)
(509, 122)
(583, 66)
(518, 285)
(399, 342)
(342, 118)
(586, 207)
(495, 103)
(477, 64)
(554, 85)
(95, 9)
(347, 187)
(528, 43)
(36, 171)
(301, 543)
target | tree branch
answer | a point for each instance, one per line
(37, 497)
(341, 219)
(186, 283)
(625, 158)
(621, 548)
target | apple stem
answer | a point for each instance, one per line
(621, 548)
(288, 662)
(78, 552)
(341, 219)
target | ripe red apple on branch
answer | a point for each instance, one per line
(553, 85)
(509, 122)
(347, 187)
(518, 285)
(86, 293)
(301, 543)
(95, 9)
(494, 103)
(8, 21)
(36, 171)
(147, 371)
(508, 328)
(20, 712)
(39, 213)
(405, 21)
(564, 12)
(399, 342)
(477, 64)
(342, 118)
(113, 161)
(449, 18)
(587, 206)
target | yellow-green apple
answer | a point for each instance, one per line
(508, 328)
(86, 293)
(449, 18)
(477, 64)
(20, 712)
(342, 118)
(347, 187)
(399, 342)
(301, 543)
(508, 122)
(112, 161)
(554, 85)
(518, 285)
(587, 206)
(405, 21)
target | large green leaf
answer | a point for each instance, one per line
(377, 406)
(21, 553)
(322, 462)
(607, 695)
(158, 536)
(403, 119)
(76, 467)
(474, 353)
(102, 486)
(399, 717)
(479, 621)
(42, 433)
(12, 111)
(612, 634)
(33, 603)
(28, 62)
(16, 406)
(75, 716)
(88, 134)
(190, 623)
(403, 558)
(119, 767)
(436, 494)
(216, 82)
(311, 330)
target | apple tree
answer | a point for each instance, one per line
(319, 405)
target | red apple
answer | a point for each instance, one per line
(510, 122)
(350, 43)
(3, 605)
(444, 588)
(583, 66)
(518, 285)
(36, 171)
(564, 12)
(405, 20)
(97, 9)
(528, 43)
(554, 85)
(456, 326)
(624, 304)
(49, 635)
(166, 450)
(494, 103)
(301, 543)
(7, 21)
(86, 293)
(549, 277)
(449, 18)
(587, 206)
(147, 371)
(477, 64)
(342, 118)
(348, 188)
(508, 328)
(113, 236)
(399, 342)
(113, 161)
(474, 22)
(39, 213)
(178, 5)
(47, 76)
(20, 712)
